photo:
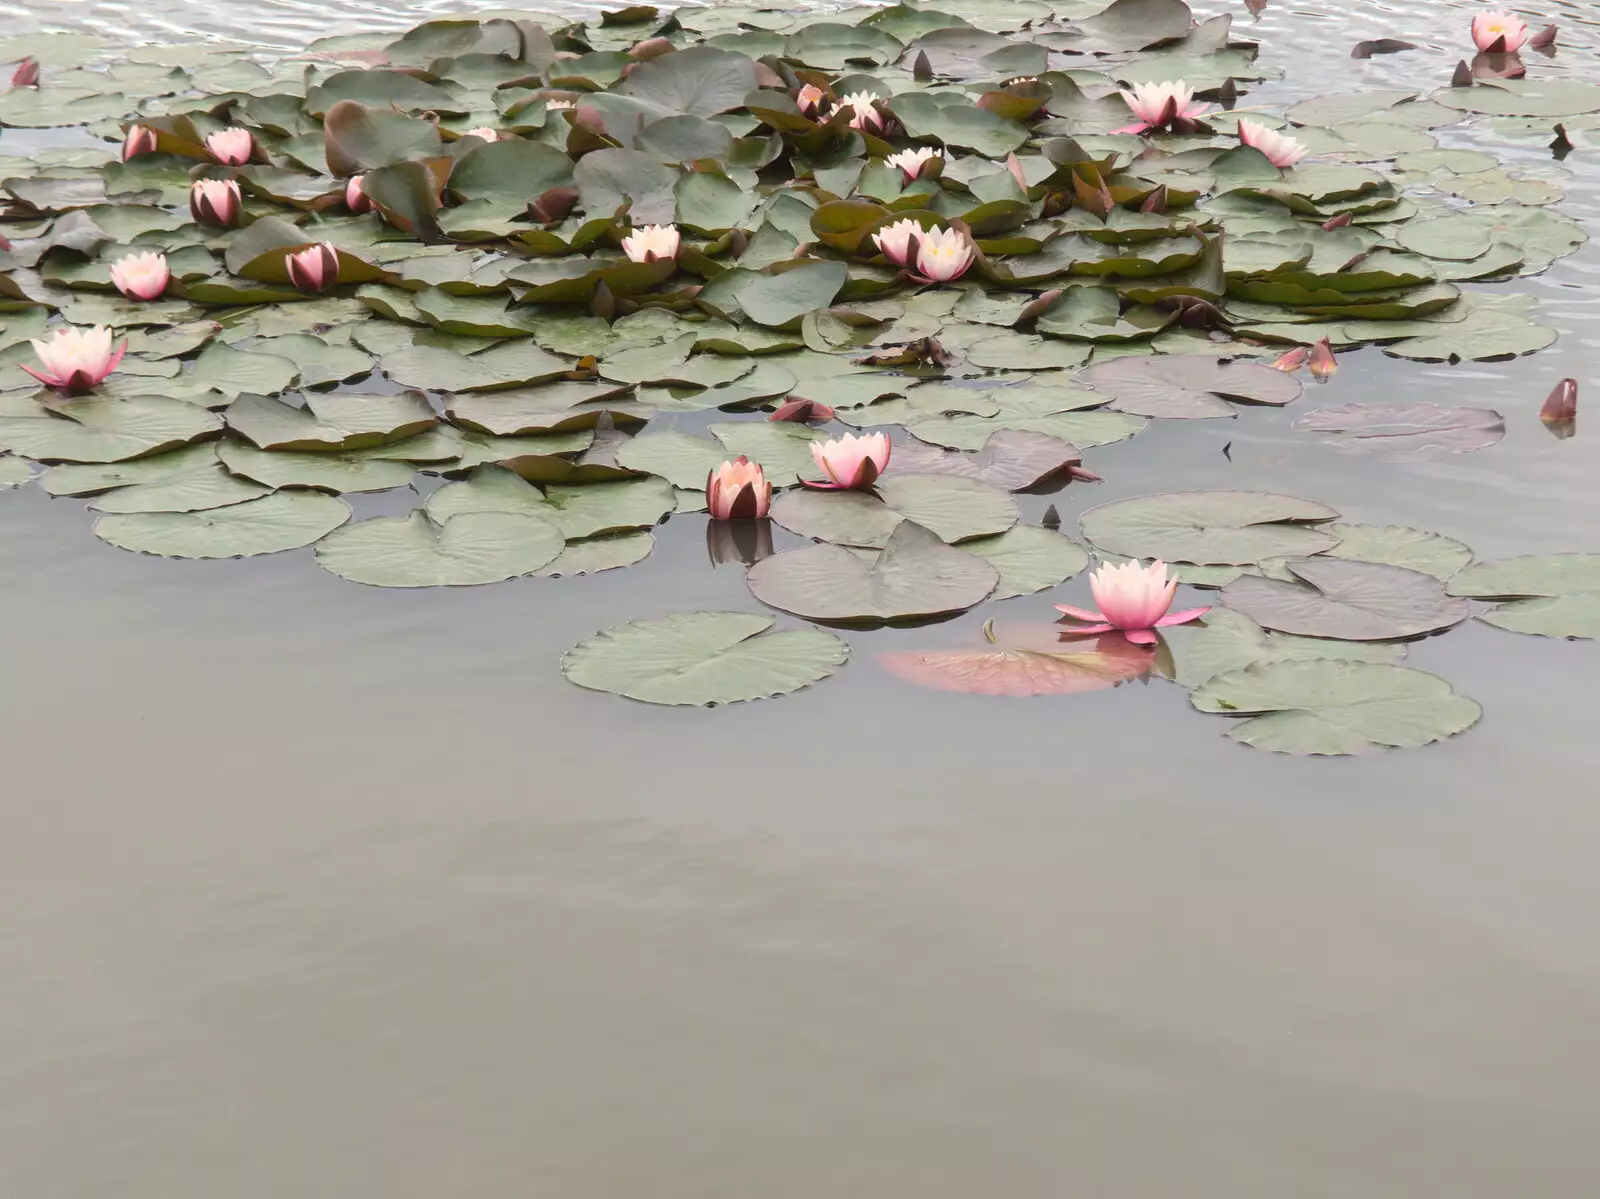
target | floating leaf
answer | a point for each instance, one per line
(1029, 559)
(1406, 428)
(1226, 640)
(956, 509)
(1188, 387)
(93, 429)
(1218, 528)
(284, 521)
(360, 470)
(1012, 459)
(1327, 707)
(14, 471)
(1395, 545)
(1550, 595)
(599, 554)
(209, 486)
(1347, 600)
(342, 421)
(586, 511)
(465, 551)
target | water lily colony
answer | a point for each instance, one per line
(496, 252)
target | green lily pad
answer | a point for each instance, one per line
(209, 486)
(468, 550)
(93, 429)
(269, 525)
(1347, 600)
(1216, 528)
(1226, 641)
(1548, 595)
(341, 421)
(360, 470)
(599, 554)
(957, 509)
(1029, 559)
(591, 510)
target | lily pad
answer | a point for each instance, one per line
(1012, 460)
(269, 525)
(1226, 641)
(1347, 600)
(1549, 595)
(1029, 559)
(1332, 708)
(209, 486)
(1020, 670)
(359, 470)
(468, 550)
(1406, 428)
(1189, 387)
(585, 511)
(1215, 528)
(956, 509)
(342, 421)
(93, 429)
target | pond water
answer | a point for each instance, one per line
(325, 889)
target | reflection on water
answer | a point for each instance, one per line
(317, 888)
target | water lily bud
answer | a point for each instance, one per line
(314, 269)
(140, 139)
(215, 202)
(27, 73)
(1322, 362)
(851, 462)
(1562, 403)
(738, 490)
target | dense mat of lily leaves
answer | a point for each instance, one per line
(494, 249)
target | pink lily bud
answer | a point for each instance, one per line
(1133, 599)
(76, 360)
(801, 411)
(738, 490)
(314, 269)
(232, 147)
(1561, 404)
(1337, 222)
(355, 197)
(1322, 361)
(215, 202)
(141, 276)
(851, 462)
(1293, 360)
(26, 74)
(808, 98)
(140, 139)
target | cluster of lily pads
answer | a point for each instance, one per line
(495, 251)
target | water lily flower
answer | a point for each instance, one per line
(1322, 361)
(559, 105)
(1293, 360)
(26, 74)
(75, 360)
(314, 269)
(895, 240)
(944, 255)
(215, 202)
(809, 98)
(850, 462)
(1281, 150)
(1133, 599)
(355, 196)
(485, 132)
(866, 117)
(1498, 32)
(1167, 105)
(232, 147)
(1561, 404)
(738, 490)
(141, 276)
(141, 139)
(651, 243)
(911, 162)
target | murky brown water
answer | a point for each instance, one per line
(318, 889)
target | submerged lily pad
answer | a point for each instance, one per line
(1332, 708)
(1215, 528)
(1021, 670)
(269, 525)
(703, 658)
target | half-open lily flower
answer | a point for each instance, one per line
(944, 255)
(912, 162)
(75, 360)
(1280, 149)
(809, 98)
(314, 269)
(1167, 105)
(866, 117)
(141, 139)
(231, 147)
(355, 196)
(215, 202)
(1561, 404)
(141, 276)
(850, 462)
(1322, 362)
(1133, 599)
(1498, 32)
(485, 132)
(895, 240)
(651, 243)
(26, 74)
(738, 490)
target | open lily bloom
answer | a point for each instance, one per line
(355, 196)
(141, 139)
(809, 98)
(850, 462)
(141, 276)
(895, 240)
(215, 202)
(866, 116)
(738, 490)
(1499, 32)
(651, 243)
(911, 162)
(1133, 599)
(944, 255)
(485, 132)
(75, 360)
(314, 269)
(1166, 105)
(231, 147)
(1280, 149)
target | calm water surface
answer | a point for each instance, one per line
(318, 889)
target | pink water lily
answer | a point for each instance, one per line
(1280, 149)
(215, 202)
(809, 99)
(1498, 32)
(355, 195)
(314, 269)
(1562, 403)
(231, 147)
(141, 276)
(485, 132)
(76, 360)
(1322, 361)
(1167, 105)
(866, 117)
(559, 105)
(26, 74)
(738, 490)
(912, 163)
(140, 139)
(895, 240)
(1133, 599)
(1292, 360)
(652, 243)
(850, 462)
(944, 255)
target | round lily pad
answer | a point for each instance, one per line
(703, 658)
(1347, 600)
(955, 508)
(282, 521)
(1548, 595)
(1331, 707)
(1215, 528)
(1188, 387)
(467, 550)
(1406, 428)
(1226, 640)
(1029, 559)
